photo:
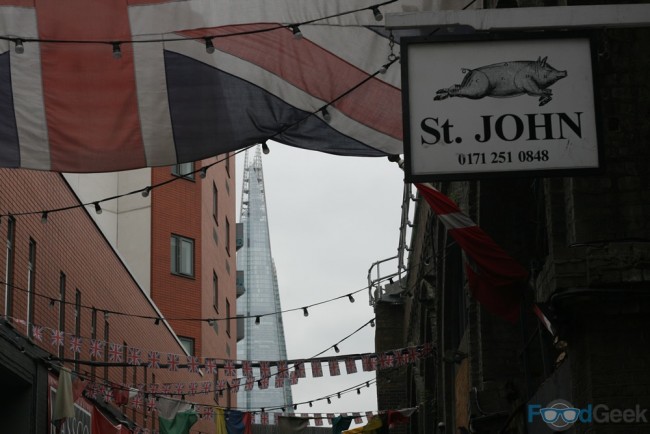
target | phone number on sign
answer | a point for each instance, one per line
(502, 157)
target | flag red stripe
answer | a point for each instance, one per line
(316, 71)
(89, 123)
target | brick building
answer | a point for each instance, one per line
(64, 275)
(585, 241)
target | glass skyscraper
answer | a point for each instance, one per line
(263, 341)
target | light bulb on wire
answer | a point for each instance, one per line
(377, 13)
(20, 48)
(117, 50)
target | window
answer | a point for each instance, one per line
(227, 235)
(228, 320)
(31, 277)
(188, 344)
(184, 170)
(215, 291)
(215, 203)
(182, 256)
(9, 268)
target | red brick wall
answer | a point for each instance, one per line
(71, 243)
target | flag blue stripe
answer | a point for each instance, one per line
(9, 144)
(213, 112)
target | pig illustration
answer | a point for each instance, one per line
(507, 79)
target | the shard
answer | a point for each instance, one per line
(260, 304)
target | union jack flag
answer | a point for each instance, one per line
(293, 377)
(316, 369)
(300, 369)
(263, 383)
(318, 420)
(427, 349)
(247, 369)
(222, 385)
(369, 415)
(234, 384)
(75, 344)
(330, 417)
(210, 366)
(136, 402)
(334, 367)
(58, 338)
(350, 366)
(413, 354)
(279, 382)
(133, 356)
(385, 360)
(265, 369)
(166, 389)
(206, 386)
(193, 364)
(37, 332)
(250, 381)
(154, 359)
(193, 388)
(153, 387)
(283, 369)
(229, 369)
(357, 417)
(96, 348)
(402, 359)
(264, 418)
(108, 394)
(151, 404)
(367, 363)
(206, 412)
(172, 362)
(179, 388)
(115, 353)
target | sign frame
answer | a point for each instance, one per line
(414, 155)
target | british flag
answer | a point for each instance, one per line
(250, 382)
(172, 362)
(193, 364)
(210, 366)
(179, 388)
(316, 368)
(206, 387)
(136, 401)
(265, 369)
(229, 368)
(96, 348)
(263, 383)
(318, 420)
(279, 382)
(334, 367)
(330, 417)
(247, 369)
(171, 98)
(413, 354)
(282, 369)
(37, 332)
(350, 366)
(293, 377)
(234, 384)
(75, 344)
(401, 359)
(153, 359)
(58, 338)
(357, 417)
(134, 356)
(151, 404)
(115, 353)
(367, 363)
(193, 388)
(264, 418)
(166, 389)
(369, 415)
(385, 360)
(300, 368)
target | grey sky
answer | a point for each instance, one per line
(330, 218)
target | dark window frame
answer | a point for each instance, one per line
(176, 254)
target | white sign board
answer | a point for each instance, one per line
(498, 105)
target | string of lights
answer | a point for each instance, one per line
(145, 191)
(157, 319)
(19, 41)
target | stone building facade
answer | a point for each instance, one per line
(586, 243)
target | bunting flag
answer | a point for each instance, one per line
(496, 280)
(316, 369)
(175, 417)
(350, 366)
(399, 417)
(220, 421)
(238, 422)
(101, 424)
(201, 78)
(292, 424)
(341, 423)
(334, 367)
(64, 400)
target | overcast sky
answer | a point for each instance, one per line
(330, 219)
